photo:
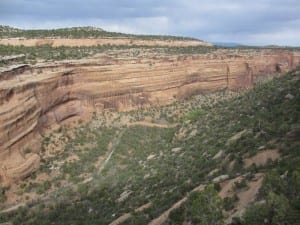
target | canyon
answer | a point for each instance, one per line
(41, 97)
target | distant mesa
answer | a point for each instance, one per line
(227, 44)
(89, 36)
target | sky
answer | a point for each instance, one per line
(252, 22)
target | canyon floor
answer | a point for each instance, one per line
(154, 135)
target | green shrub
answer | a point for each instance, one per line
(229, 202)
(206, 207)
(177, 216)
(2, 194)
(240, 184)
(274, 211)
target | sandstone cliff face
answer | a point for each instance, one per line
(35, 98)
(55, 42)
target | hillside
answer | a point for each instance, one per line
(77, 32)
(239, 150)
(88, 36)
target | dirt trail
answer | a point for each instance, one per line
(150, 124)
(111, 148)
(121, 219)
(13, 208)
(116, 140)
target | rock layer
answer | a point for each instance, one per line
(35, 98)
(55, 42)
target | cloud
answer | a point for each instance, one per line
(248, 22)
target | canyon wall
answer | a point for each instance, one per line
(39, 97)
(55, 42)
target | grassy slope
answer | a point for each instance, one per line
(144, 165)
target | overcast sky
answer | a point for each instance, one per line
(256, 22)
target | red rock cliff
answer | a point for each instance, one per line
(34, 98)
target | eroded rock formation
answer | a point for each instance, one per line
(55, 42)
(35, 98)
